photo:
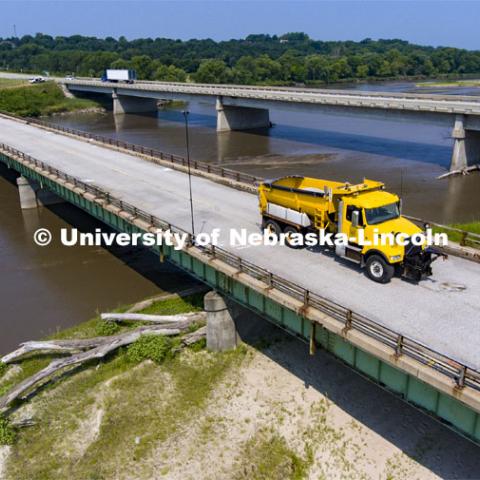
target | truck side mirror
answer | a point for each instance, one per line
(355, 218)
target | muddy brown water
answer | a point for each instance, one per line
(43, 289)
(54, 287)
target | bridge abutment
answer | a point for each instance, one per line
(130, 104)
(240, 118)
(32, 195)
(221, 330)
(466, 146)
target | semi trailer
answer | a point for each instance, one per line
(119, 75)
(295, 206)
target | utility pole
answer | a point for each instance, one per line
(187, 144)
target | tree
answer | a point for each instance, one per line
(213, 71)
(170, 74)
(260, 58)
(362, 71)
(142, 64)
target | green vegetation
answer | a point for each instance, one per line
(39, 99)
(472, 227)
(267, 456)
(458, 83)
(150, 347)
(261, 59)
(11, 82)
(7, 432)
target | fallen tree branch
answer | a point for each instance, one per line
(97, 348)
(105, 347)
(193, 337)
(71, 346)
(166, 319)
(460, 171)
(59, 346)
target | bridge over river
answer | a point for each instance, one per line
(421, 341)
(247, 107)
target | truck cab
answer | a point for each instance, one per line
(366, 215)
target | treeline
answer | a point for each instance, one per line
(261, 59)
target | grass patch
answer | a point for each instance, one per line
(150, 347)
(42, 99)
(267, 456)
(453, 83)
(7, 432)
(12, 82)
(472, 227)
(174, 306)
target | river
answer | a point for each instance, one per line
(42, 290)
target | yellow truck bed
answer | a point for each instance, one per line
(312, 196)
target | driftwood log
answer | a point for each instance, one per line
(161, 319)
(88, 349)
(460, 171)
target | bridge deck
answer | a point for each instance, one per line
(241, 95)
(442, 318)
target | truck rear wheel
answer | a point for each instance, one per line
(379, 270)
(272, 226)
(289, 230)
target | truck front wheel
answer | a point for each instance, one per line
(379, 270)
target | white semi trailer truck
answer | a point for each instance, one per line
(119, 75)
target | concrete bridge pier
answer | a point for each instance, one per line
(32, 195)
(466, 147)
(221, 330)
(240, 118)
(130, 104)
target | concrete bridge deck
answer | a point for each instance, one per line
(434, 312)
(235, 94)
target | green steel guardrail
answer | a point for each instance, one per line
(461, 374)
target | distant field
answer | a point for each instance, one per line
(454, 83)
(12, 82)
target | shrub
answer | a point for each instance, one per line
(7, 432)
(104, 329)
(151, 347)
(3, 368)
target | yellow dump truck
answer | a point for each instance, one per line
(362, 213)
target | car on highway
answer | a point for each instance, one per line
(37, 80)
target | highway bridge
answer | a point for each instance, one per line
(420, 341)
(246, 107)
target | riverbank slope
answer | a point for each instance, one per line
(264, 411)
(34, 100)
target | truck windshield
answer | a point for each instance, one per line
(382, 214)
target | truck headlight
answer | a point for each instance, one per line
(395, 258)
